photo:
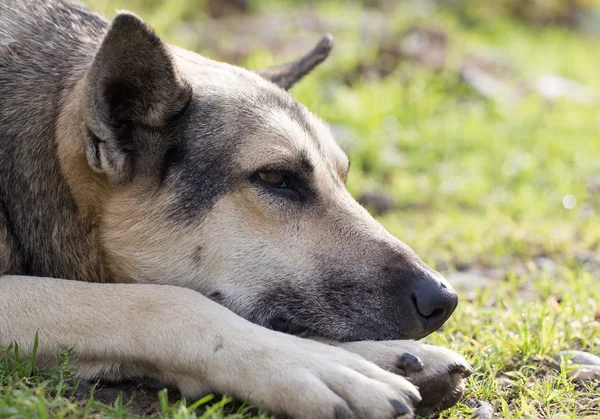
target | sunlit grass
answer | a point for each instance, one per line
(512, 341)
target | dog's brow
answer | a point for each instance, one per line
(305, 161)
(281, 158)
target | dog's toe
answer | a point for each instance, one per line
(464, 370)
(438, 373)
(441, 382)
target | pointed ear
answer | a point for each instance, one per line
(286, 75)
(133, 83)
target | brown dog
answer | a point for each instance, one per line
(193, 211)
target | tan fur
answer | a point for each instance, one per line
(134, 233)
(88, 187)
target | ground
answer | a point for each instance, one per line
(488, 169)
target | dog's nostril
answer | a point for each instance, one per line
(433, 308)
(436, 313)
(426, 310)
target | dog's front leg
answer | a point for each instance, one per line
(437, 372)
(178, 336)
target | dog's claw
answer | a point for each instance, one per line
(415, 398)
(400, 408)
(410, 362)
(464, 370)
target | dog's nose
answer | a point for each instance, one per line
(434, 300)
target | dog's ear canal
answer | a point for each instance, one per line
(132, 84)
(286, 75)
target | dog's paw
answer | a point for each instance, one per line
(300, 378)
(438, 373)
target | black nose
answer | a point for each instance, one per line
(434, 300)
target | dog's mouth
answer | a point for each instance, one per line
(341, 333)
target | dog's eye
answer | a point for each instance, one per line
(280, 183)
(274, 179)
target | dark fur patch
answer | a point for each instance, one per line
(210, 133)
(197, 255)
(205, 168)
(366, 299)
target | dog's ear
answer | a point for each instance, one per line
(133, 83)
(286, 75)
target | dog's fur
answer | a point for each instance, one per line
(193, 211)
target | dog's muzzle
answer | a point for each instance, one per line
(395, 304)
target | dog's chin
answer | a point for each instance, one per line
(292, 327)
(341, 334)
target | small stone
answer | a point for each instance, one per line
(585, 373)
(579, 357)
(484, 411)
(472, 403)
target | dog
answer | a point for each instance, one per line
(173, 217)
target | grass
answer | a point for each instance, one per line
(26, 392)
(479, 184)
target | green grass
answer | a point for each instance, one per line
(27, 392)
(479, 183)
(512, 342)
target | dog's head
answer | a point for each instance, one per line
(219, 181)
